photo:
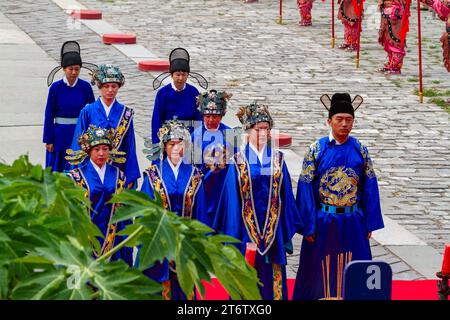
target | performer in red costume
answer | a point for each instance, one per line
(392, 34)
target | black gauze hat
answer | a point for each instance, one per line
(179, 60)
(341, 103)
(70, 54)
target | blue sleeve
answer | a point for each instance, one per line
(197, 114)
(90, 94)
(306, 202)
(132, 171)
(82, 124)
(200, 205)
(228, 214)
(370, 203)
(291, 221)
(50, 109)
(146, 187)
(157, 117)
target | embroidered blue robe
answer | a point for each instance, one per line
(170, 103)
(94, 113)
(176, 191)
(342, 176)
(214, 168)
(230, 220)
(63, 101)
(100, 193)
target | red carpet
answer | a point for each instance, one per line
(401, 290)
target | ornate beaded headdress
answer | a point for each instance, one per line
(254, 113)
(107, 73)
(92, 137)
(213, 102)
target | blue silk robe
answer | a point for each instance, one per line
(176, 191)
(100, 193)
(170, 103)
(63, 101)
(270, 262)
(213, 168)
(342, 176)
(94, 113)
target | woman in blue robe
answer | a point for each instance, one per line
(65, 100)
(107, 112)
(101, 181)
(178, 98)
(180, 186)
(257, 204)
(338, 198)
(212, 150)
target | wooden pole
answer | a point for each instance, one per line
(280, 16)
(419, 39)
(332, 23)
(361, 8)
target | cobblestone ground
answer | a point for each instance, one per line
(240, 48)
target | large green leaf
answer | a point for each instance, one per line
(39, 285)
(4, 236)
(47, 236)
(3, 283)
(159, 241)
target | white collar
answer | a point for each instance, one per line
(331, 138)
(100, 171)
(107, 108)
(175, 168)
(175, 88)
(67, 81)
(258, 153)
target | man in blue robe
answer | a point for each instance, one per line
(338, 198)
(65, 100)
(107, 112)
(181, 189)
(211, 149)
(101, 181)
(178, 98)
(257, 204)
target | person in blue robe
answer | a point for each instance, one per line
(211, 148)
(101, 181)
(257, 204)
(107, 112)
(65, 100)
(178, 98)
(338, 198)
(180, 186)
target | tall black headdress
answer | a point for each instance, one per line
(179, 61)
(70, 55)
(341, 103)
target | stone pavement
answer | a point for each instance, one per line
(241, 49)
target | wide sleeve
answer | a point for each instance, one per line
(157, 117)
(291, 220)
(82, 124)
(197, 114)
(228, 214)
(370, 203)
(200, 212)
(306, 202)
(50, 109)
(131, 165)
(147, 187)
(90, 94)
